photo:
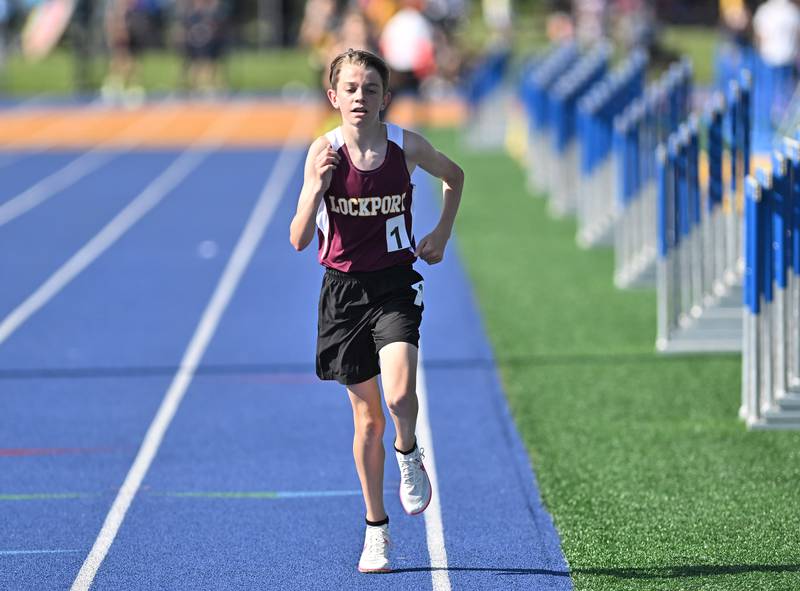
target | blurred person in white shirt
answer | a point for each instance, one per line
(776, 25)
(407, 45)
(776, 29)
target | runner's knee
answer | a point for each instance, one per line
(370, 425)
(402, 402)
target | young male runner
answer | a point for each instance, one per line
(357, 194)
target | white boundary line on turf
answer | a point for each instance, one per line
(76, 169)
(151, 196)
(434, 531)
(262, 213)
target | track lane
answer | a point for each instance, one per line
(228, 430)
(283, 431)
(136, 305)
(288, 432)
(47, 236)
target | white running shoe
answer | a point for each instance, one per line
(415, 486)
(375, 556)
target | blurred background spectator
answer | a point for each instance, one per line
(5, 13)
(591, 20)
(129, 29)
(406, 43)
(776, 33)
(208, 46)
(776, 29)
(203, 37)
(735, 21)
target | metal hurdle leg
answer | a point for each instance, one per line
(731, 243)
(607, 217)
(766, 397)
(793, 332)
(786, 340)
(739, 261)
(750, 410)
(574, 167)
(564, 186)
(621, 260)
(664, 272)
(709, 256)
(719, 221)
(537, 164)
(778, 344)
(539, 174)
(596, 226)
(635, 233)
(684, 283)
(532, 165)
(548, 162)
(573, 170)
(648, 221)
(696, 271)
(588, 209)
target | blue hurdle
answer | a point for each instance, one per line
(771, 356)
(700, 266)
(608, 98)
(773, 87)
(645, 124)
(563, 99)
(486, 95)
(534, 89)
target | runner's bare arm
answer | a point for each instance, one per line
(419, 152)
(321, 160)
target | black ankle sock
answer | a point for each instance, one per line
(405, 453)
(384, 521)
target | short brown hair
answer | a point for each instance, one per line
(359, 57)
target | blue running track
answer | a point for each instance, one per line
(253, 485)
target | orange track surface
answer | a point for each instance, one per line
(176, 124)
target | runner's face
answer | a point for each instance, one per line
(359, 95)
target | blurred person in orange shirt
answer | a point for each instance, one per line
(378, 12)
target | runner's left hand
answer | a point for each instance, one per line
(431, 248)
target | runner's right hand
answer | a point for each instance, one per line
(327, 160)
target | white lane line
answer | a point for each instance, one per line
(263, 211)
(76, 169)
(52, 184)
(434, 531)
(151, 196)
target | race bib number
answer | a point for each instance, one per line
(396, 235)
(418, 288)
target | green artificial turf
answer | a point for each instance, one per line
(699, 44)
(275, 70)
(652, 480)
(161, 71)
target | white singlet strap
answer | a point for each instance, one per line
(336, 138)
(394, 134)
(323, 223)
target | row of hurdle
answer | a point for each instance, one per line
(668, 185)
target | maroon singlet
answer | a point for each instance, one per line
(365, 220)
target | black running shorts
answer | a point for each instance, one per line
(359, 313)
